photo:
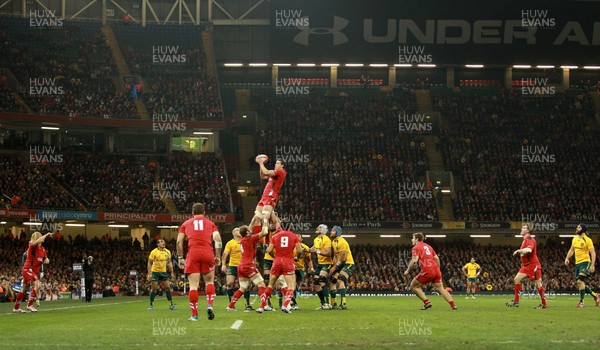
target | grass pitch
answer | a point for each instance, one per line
(369, 323)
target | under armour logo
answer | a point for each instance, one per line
(339, 38)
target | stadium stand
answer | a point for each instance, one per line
(65, 72)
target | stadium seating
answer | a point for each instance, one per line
(332, 142)
(486, 144)
(75, 58)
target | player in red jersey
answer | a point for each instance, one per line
(247, 270)
(36, 256)
(424, 254)
(530, 267)
(270, 195)
(282, 247)
(201, 258)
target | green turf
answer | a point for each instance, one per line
(369, 323)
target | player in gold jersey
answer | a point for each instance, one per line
(158, 262)
(472, 271)
(342, 268)
(301, 263)
(585, 261)
(322, 247)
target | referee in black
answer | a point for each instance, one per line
(88, 270)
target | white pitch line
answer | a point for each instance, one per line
(79, 307)
(237, 324)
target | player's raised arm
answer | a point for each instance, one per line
(41, 239)
(264, 172)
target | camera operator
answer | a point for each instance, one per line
(88, 269)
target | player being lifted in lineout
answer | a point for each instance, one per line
(270, 197)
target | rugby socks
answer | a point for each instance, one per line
(517, 292)
(452, 304)
(343, 295)
(230, 293)
(321, 296)
(581, 295)
(247, 297)
(590, 291)
(20, 297)
(152, 296)
(169, 297)
(210, 294)
(267, 277)
(32, 297)
(426, 301)
(288, 298)
(326, 294)
(282, 292)
(235, 298)
(542, 292)
(333, 295)
(265, 296)
(193, 296)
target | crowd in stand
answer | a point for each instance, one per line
(68, 70)
(31, 183)
(520, 156)
(178, 87)
(379, 268)
(116, 183)
(332, 143)
(200, 180)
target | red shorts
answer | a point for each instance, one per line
(29, 275)
(247, 271)
(268, 200)
(533, 271)
(427, 276)
(283, 267)
(199, 262)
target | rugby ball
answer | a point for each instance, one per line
(258, 157)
